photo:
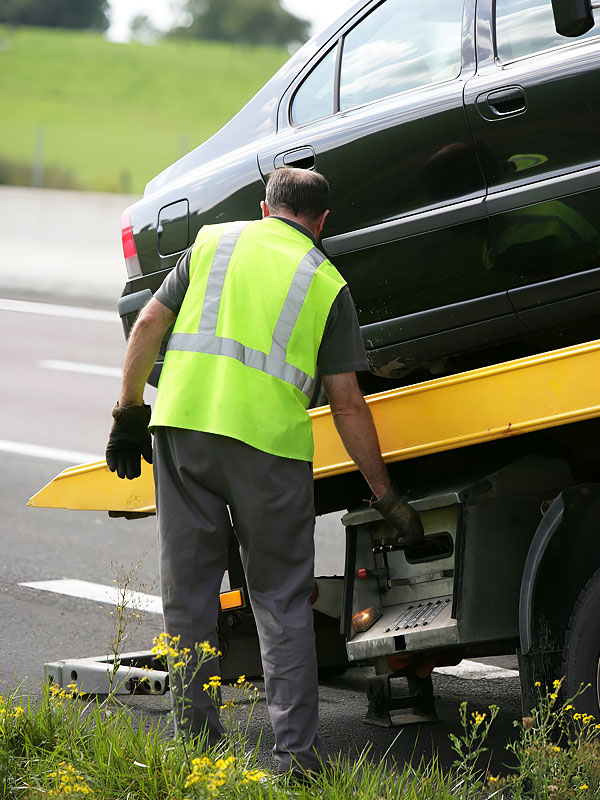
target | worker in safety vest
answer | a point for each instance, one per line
(258, 309)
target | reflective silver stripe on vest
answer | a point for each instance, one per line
(273, 363)
(216, 277)
(218, 346)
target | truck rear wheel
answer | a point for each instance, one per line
(581, 656)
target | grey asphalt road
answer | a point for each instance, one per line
(46, 403)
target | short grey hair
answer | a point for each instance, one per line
(302, 191)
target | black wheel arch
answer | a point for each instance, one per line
(562, 558)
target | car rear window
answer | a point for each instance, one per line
(525, 27)
(314, 98)
(398, 47)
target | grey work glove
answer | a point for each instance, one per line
(129, 439)
(401, 516)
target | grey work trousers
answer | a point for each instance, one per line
(201, 479)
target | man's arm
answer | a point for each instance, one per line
(129, 436)
(356, 428)
(142, 351)
(354, 423)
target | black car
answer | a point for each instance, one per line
(460, 139)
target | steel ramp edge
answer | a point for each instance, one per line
(93, 487)
(482, 405)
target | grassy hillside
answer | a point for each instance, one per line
(114, 115)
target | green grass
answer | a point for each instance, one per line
(107, 109)
(66, 747)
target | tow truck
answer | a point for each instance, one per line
(503, 465)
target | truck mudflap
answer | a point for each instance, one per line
(559, 621)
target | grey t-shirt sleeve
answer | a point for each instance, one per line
(175, 285)
(342, 348)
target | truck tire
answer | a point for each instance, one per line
(581, 656)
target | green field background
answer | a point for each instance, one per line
(114, 115)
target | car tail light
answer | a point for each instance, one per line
(129, 250)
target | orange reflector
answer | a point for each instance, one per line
(233, 599)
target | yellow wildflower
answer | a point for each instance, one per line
(68, 781)
(212, 775)
(537, 684)
(56, 692)
(165, 645)
(253, 775)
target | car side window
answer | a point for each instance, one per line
(525, 27)
(400, 46)
(314, 98)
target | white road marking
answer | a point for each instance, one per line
(53, 310)
(475, 670)
(100, 593)
(75, 366)
(50, 453)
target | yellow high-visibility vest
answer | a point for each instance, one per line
(241, 360)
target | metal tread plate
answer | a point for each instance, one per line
(418, 615)
(407, 627)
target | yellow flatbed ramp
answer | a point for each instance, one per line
(515, 397)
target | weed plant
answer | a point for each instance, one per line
(68, 746)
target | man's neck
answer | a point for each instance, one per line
(295, 222)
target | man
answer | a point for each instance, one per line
(257, 309)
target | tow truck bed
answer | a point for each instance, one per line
(483, 405)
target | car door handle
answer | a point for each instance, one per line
(505, 102)
(302, 157)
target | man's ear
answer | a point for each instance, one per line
(265, 209)
(320, 222)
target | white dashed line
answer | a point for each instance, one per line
(50, 453)
(53, 310)
(98, 592)
(75, 366)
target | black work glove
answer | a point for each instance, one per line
(129, 439)
(130, 514)
(401, 516)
